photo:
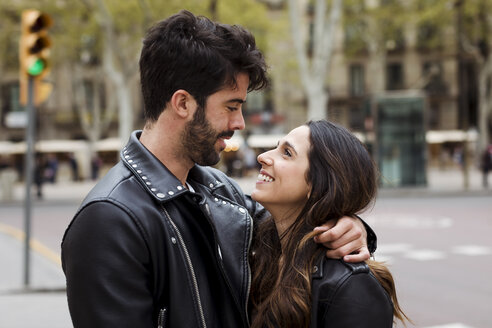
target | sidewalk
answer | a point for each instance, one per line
(442, 183)
(44, 303)
(439, 183)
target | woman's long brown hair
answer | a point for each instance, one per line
(343, 182)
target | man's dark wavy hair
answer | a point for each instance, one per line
(195, 54)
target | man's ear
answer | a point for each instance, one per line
(183, 103)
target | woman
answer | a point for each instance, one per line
(318, 172)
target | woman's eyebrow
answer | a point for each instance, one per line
(288, 144)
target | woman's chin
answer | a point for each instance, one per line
(254, 195)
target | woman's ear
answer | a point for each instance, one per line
(183, 103)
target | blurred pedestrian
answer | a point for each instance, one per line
(51, 168)
(458, 156)
(74, 166)
(96, 164)
(39, 174)
(486, 165)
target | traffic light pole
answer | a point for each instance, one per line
(29, 171)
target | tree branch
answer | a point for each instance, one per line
(327, 42)
(298, 41)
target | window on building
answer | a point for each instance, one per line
(394, 76)
(433, 73)
(428, 36)
(353, 38)
(356, 118)
(95, 95)
(434, 114)
(395, 39)
(357, 80)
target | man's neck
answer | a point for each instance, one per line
(164, 145)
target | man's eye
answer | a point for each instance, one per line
(231, 108)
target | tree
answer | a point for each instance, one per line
(313, 71)
(104, 36)
(368, 26)
(476, 41)
(95, 115)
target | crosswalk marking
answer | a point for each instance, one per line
(394, 248)
(408, 221)
(424, 255)
(472, 250)
(451, 325)
(389, 252)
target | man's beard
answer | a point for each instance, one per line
(199, 138)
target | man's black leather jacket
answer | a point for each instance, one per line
(128, 264)
(127, 254)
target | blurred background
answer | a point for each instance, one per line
(411, 78)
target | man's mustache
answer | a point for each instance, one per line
(227, 134)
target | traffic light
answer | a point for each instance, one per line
(34, 52)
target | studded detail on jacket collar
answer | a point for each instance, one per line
(155, 176)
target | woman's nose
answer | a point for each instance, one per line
(264, 158)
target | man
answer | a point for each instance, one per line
(163, 240)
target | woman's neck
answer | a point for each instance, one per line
(283, 218)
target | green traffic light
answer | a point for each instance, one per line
(37, 67)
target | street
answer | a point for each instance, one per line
(440, 252)
(438, 248)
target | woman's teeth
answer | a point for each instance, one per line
(266, 178)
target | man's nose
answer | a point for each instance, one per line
(237, 121)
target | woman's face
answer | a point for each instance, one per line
(281, 184)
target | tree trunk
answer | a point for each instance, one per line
(313, 72)
(123, 92)
(376, 69)
(485, 94)
(120, 80)
(317, 103)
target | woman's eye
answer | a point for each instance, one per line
(287, 152)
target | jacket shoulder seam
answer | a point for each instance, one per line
(115, 202)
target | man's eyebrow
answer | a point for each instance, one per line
(237, 100)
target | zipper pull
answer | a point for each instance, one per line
(161, 320)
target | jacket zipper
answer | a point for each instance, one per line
(190, 267)
(207, 210)
(249, 268)
(161, 320)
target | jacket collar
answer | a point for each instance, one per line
(319, 266)
(155, 176)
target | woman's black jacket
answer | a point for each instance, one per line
(348, 295)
